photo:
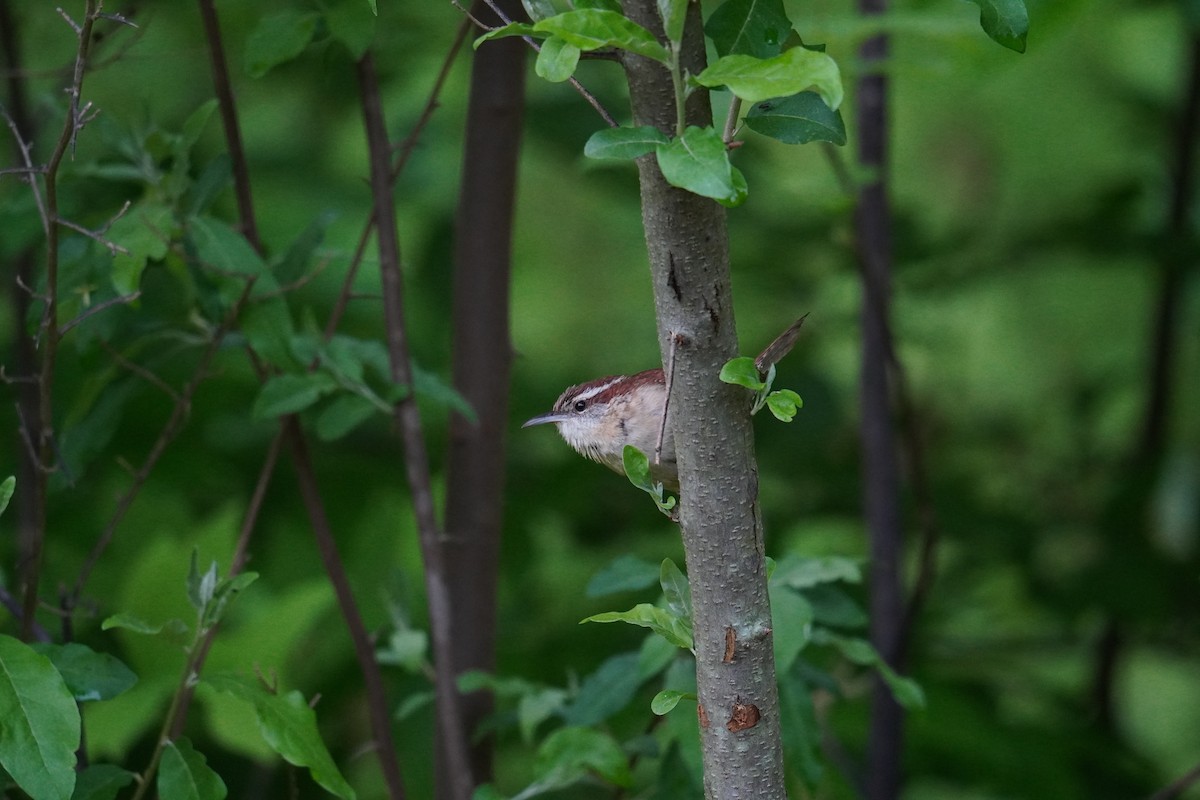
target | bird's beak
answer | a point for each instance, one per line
(542, 419)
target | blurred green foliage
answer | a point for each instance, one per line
(1031, 194)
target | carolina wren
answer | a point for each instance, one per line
(600, 417)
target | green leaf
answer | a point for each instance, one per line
(784, 404)
(637, 468)
(407, 648)
(288, 394)
(278, 38)
(511, 29)
(557, 60)
(594, 28)
(6, 491)
(606, 691)
(800, 572)
(430, 386)
(343, 415)
(224, 593)
(625, 573)
(268, 329)
(101, 782)
(89, 675)
(221, 247)
(374, 6)
(39, 723)
(741, 371)
(295, 262)
(184, 774)
(539, 9)
(835, 608)
(200, 588)
(698, 162)
(352, 25)
(573, 752)
(172, 628)
(289, 726)
(666, 700)
(859, 651)
(799, 119)
(755, 80)
(675, 588)
(674, 14)
(749, 27)
(474, 680)
(608, 5)
(675, 630)
(791, 625)
(413, 703)
(1005, 21)
(536, 707)
(193, 128)
(145, 231)
(655, 655)
(624, 142)
(906, 691)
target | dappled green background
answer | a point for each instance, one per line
(1030, 194)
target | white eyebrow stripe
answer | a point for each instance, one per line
(589, 393)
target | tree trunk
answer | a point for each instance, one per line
(881, 477)
(722, 531)
(482, 362)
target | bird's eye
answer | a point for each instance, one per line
(580, 405)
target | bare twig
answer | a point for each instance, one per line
(404, 150)
(779, 347)
(141, 372)
(731, 119)
(670, 380)
(249, 523)
(171, 429)
(98, 233)
(377, 704)
(537, 48)
(408, 420)
(1177, 787)
(124, 299)
(30, 169)
(46, 446)
(229, 121)
(14, 607)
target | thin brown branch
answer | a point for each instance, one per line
(223, 87)
(24, 148)
(46, 448)
(537, 48)
(404, 150)
(249, 524)
(1177, 787)
(171, 429)
(124, 299)
(98, 234)
(408, 420)
(377, 704)
(364, 650)
(141, 372)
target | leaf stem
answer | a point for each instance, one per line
(177, 702)
(680, 94)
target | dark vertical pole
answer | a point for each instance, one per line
(881, 480)
(482, 362)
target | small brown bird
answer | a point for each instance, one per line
(600, 417)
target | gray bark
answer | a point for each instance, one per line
(722, 531)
